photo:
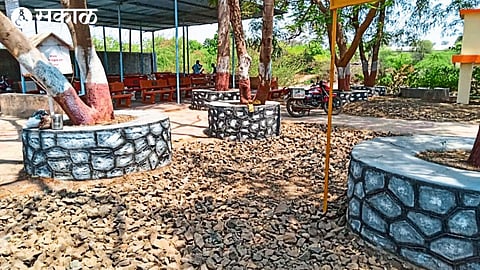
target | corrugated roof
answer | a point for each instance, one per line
(148, 14)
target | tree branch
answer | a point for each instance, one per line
(358, 35)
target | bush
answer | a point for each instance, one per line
(436, 70)
(394, 71)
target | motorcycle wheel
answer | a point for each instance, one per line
(336, 106)
(294, 108)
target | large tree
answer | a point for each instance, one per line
(98, 104)
(314, 17)
(419, 18)
(244, 60)
(369, 46)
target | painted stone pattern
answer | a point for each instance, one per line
(435, 226)
(200, 97)
(235, 123)
(82, 153)
(372, 90)
(352, 96)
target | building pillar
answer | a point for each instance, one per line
(464, 83)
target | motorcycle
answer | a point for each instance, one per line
(5, 85)
(301, 101)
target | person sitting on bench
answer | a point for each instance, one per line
(197, 68)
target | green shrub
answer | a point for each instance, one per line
(436, 70)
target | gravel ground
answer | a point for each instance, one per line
(219, 205)
(415, 109)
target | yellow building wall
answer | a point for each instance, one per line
(471, 35)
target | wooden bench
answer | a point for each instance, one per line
(117, 93)
(133, 81)
(202, 82)
(185, 84)
(151, 88)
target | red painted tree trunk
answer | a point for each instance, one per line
(244, 60)
(474, 158)
(223, 55)
(51, 78)
(265, 65)
(370, 76)
(343, 78)
(345, 53)
(90, 66)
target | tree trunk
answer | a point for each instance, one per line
(346, 53)
(265, 65)
(50, 77)
(244, 60)
(370, 76)
(90, 66)
(364, 60)
(474, 158)
(343, 77)
(348, 76)
(223, 56)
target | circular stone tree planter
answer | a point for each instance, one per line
(425, 212)
(200, 97)
(234, 122)
(94, 152)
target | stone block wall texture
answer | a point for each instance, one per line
(372, 91)
(200, 97)
(235, 123)
(435, 226)
(352, 96)
(94, 152)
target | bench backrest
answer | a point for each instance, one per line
(116, 86)
(172, 81)
(185, 82)
(153, 83)
(199, 81)
(133, 80)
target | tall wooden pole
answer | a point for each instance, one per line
(330, 105)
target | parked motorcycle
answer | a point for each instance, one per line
(5, 85)
(301, 101)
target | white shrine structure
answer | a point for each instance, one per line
(470, 53)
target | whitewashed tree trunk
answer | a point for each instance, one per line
(223, 54)
(50, 77)
(244, 60)
(90, 66)
(264, 68)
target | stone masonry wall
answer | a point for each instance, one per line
(352, 96)
(432, 224)
(435, 94)
(82, 153)
(13, 104)
(200, 97)
(372, 90)
(236, 123)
